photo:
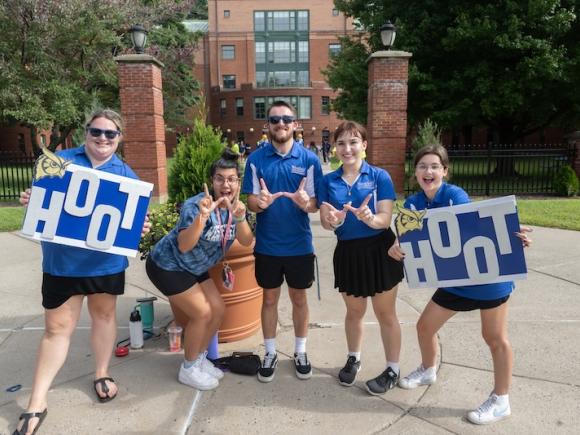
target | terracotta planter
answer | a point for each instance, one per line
(244, 303)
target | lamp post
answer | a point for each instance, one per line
(139, 38)
(388, 34)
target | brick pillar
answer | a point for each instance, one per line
(141, 98)
(387, 113)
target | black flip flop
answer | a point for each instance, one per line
(104, 389)
(27, 416)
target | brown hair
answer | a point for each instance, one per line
(354, 128)
(436, 149)
(109, 114)
(281, 103)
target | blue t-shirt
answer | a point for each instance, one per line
(70, 261)
(336, 191)
(208, 250)
(283, 229)
(449, 195)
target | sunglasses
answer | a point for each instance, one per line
(97, 132)
(285, 119)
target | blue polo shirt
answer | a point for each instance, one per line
(208, 250)
(448, 195)
(283, 229)
(336, 191)
(70, 261)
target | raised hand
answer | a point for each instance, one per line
(265, 198)
(335, 217)
(362, 212)
(25, 197)
(207, 204)
(236, 207)
(300, 197)
(526, 241)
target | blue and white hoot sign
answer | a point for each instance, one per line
(466, 244)
(86, 208)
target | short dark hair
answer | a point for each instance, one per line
(281, 103)
(228, 160)
(351, 127)
(435, 149)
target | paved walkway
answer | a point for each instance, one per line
(544, 325)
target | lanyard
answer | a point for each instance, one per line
(226, 232)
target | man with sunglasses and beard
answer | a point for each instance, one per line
(280, 180)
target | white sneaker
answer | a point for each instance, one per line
(420, 376)
(490, 411)
(196, 378)
(207, 366)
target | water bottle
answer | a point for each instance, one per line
(135, 330)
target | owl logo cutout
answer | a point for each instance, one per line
(409, 220)
(49, 165)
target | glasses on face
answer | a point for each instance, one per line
(97, 132)
(434, 167)
(286, 119)
(218, 179)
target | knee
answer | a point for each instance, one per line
(355, 313)
(497, 342)
(59, 328)
(205, 313)
(218, 310)
(103, 315)
(269, 301)
(388, 318)
(299, 300)
(422, 329)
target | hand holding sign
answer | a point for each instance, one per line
(25, 197)
(363, 212)
(236, 207)
(207, 204)
(526, 241)
(335, 217)
(300, 197)
(265, 198)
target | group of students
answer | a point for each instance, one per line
(284, 183)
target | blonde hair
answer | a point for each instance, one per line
(109, 114)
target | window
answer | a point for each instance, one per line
(303, 51)
(226, 13)
(260, 79)
(282, 53)
(334, 48)
(325, 106)
(223, 107)
(260, 52)
(228, 52)
(259, 108)
(335, 12)
(259, 22)
(304, 108)
(240, 106)
(229, 81)
(280, 21)
(302, 20)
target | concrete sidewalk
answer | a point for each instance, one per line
(544, 325)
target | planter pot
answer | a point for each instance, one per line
(242, 317)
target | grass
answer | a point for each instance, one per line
(552, 213)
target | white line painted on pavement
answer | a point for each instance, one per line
(191, 413)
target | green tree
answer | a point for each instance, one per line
(56, 58)
(508, 65)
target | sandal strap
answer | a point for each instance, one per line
(103, 383)
(27, 416)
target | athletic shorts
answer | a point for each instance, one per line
(170, 282)
(56, 290)
(297, 270)
(454, 302)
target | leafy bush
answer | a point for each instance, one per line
(193, 157)
(428, 133)
(163, 219)
(565, 181)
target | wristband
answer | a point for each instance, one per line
(334, 227)
(239, 219)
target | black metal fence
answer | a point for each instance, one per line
(15, 174)
(501, 169)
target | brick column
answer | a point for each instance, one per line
(387, 113)
(141, 96)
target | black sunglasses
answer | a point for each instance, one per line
(285, 119)
(97, 132)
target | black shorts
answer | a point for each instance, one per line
(362, 267)
(298, 270)
(171, 282)
(453, 302)
(56, 290)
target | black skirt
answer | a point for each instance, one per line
(362, 267)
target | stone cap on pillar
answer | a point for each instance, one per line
(389, 53)
(138, 58)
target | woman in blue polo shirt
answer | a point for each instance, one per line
(431, 167)
(70, 273)
(179, 263)
(356, 201)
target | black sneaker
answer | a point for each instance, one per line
(383, 382)
(266, 372)
(347, 375)
(303, 368)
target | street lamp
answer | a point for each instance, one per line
(251, 129)
(388, 33)
(139, 38)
